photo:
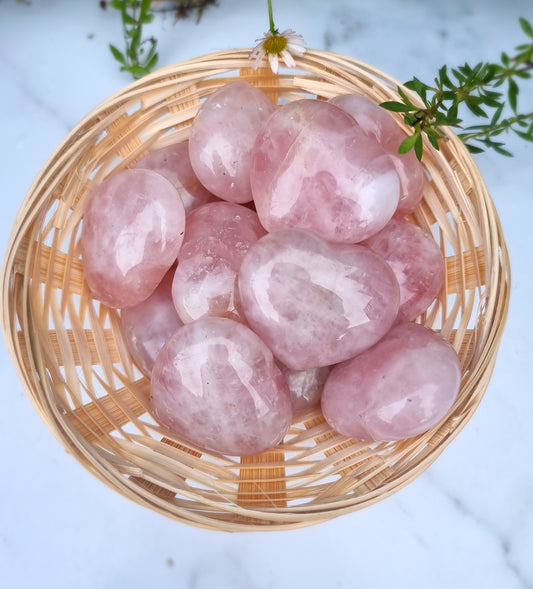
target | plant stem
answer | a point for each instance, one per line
(273, 29)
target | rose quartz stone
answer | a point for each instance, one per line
(313, 168)
(305, 386)
(417, 262)
(316, 303)
(376, 122)
(217, 384)
(150, 324)
(131, 235)
(217, 237)
(173, 162)
(399, 388)
(222, 136)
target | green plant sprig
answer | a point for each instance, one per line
(478, 89)
(140, 55)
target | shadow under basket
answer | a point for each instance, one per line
(72, 357)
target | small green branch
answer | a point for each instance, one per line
(139, 56)
(478, 89)
(272, 26)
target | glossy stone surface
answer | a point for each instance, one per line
(417, 262)
(315, 303)
(313, 168)
(132, 232)
(150, 324)
(222, 136)
(217, 238)
(376, 122)
(173, 162)
(399, 388)
(217, 384)
(305, 386)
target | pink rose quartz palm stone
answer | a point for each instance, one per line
(316, 303)
(174, 164)
(131, 235)
(376, 122)
(217, 238)
(417, 262)
(314, 168)
(150, 324)
(399, 388)
(216, 384)
(222, 136)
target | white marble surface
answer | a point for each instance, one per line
(467, 522)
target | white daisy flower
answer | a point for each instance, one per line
(278, 45)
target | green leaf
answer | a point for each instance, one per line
(474, 148)
(116, 4)
(118, 55)
(408, 143)
(145, 9)
(419, 146)
(526, 27)
(395, 106)
(512, 94)
(128, 19)
(523, 135)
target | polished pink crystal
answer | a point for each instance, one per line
(217, 237)
(313, 168)
(132, 231)
(150, 324)
(399, 388)
(216, 384)
(173, 162)
(376, 122)
(305, 386)
(417, 262)
(222, 136)
(316, 303)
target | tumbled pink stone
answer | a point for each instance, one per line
(305, 386)
(217, 237)
(150, 324)
(313, 168)
(132, 231)
(376, 122)
(316, 303)
(222, 136)
(173, 162)
(217, 384)
(417, 262)
(399, 388)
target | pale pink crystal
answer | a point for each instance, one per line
(173, 162)
(222, 136)
(399, 388)
(313, 168)
(131, 235)
(305, 386)
(316, 303)
(216, 384)
(378, 123)
(148, 325)
(417, 262)
(217, 237)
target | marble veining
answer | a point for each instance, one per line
(465, 523)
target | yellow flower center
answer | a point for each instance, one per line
(275, 44)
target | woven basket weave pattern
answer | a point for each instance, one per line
(73, 360)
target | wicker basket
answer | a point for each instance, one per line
(72, 357)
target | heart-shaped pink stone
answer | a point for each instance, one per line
(222, 136)
(399, 388)
(132, 232)
(316, 303)
(313, 168)
(217, 384)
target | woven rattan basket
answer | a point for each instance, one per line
(72, 358)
